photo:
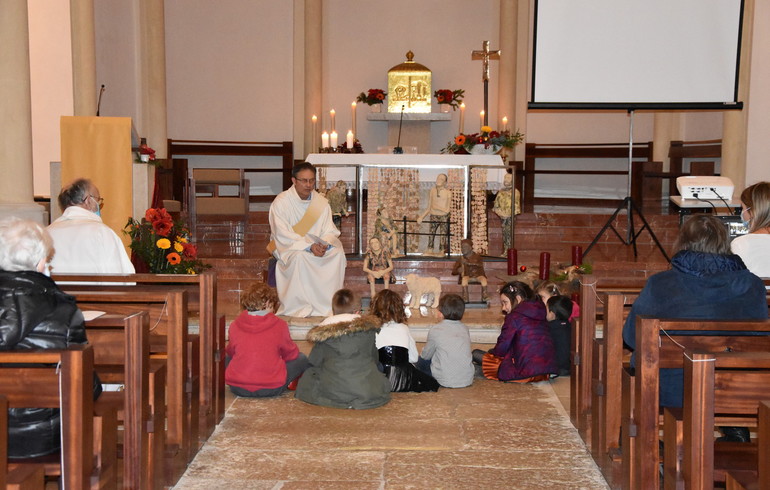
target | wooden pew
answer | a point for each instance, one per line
(659, 345)
(122, 356)
(87, 455)
(720, 389)
(583, 337)
(746, 480)
(202, 299)
(606, 401)
(31, 478)
(169, 340)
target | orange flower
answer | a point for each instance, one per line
(460, 140)
(173, 258)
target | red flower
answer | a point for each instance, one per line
(162, 227)
(189, 250)
(440, 99)
(173, 258)
(494, 134)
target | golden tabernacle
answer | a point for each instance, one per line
(409, 85)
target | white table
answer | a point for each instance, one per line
(687, 206)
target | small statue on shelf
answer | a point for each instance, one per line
(502, 208)
(470, 266)
(377, 264)
(439, 205)
(337, 197)
(385, 230)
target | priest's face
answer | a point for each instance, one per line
(304, 183)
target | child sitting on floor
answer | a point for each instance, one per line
(396, 346)
(343, 371)
(559, 309)
(447, 352)
(262, 360)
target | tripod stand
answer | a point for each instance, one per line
(630, 206)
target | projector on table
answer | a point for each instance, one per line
(705, 187)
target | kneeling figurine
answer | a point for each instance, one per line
(470, 267)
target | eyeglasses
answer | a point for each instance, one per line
(99, 200)
(305, 181)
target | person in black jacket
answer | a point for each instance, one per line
(34, 314)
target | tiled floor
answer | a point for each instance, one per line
(489, 435)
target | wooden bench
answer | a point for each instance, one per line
(34, 378)
(660, 344)
(169, 340)
(746, 480)
(31, 478)
(583, 341)
(122, 356)
(202, 300)
(720, 388)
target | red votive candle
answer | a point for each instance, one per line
(545, 265)
(513, 262)
(577, 255)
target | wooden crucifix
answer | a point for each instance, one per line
(485, 55)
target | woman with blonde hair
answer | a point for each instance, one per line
(754, 247)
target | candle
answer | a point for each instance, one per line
(545, 265)
(513, 263)
(349, 140)
(353, 114)
(577, 255)
(333, 139)
(505, 123)
(314, 133)
(324, 139)
(462, 117)
(331, 115)
(481, 114)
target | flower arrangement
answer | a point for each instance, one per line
(372, 97)
(449, 97)
(146, 154)
(490, 141)
(163, 244)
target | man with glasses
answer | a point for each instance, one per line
(83, 243)
(310, 260)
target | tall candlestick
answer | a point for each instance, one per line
(332, 113)
(545, 265)
(505, 123)
(314, 141)
(513, 262)
(462, 117)
(324, 139)
(333, 139)
(353, 116)
(577, 255)
(481, 115)
(349, 140)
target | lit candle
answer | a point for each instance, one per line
(353, 114)
(505, 123)
(462, 117)
(314, 133)
(332, 114)
(349, 140)
(545, 265)
(481, 115)
(333, 139)
(324, 139)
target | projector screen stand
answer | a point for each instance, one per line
(630, 206)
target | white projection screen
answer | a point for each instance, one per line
(627, 54)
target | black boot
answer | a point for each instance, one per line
(478, 355)
(734, 434)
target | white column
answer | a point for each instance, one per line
(83, 57)
(16, 189)
(313, 69)
(153, 87)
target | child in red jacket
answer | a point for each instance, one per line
(262, 360)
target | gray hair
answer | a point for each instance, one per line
(23, 244)
(75, 194)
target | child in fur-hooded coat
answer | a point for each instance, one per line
(343, 371)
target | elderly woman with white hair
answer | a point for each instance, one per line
(34, 314)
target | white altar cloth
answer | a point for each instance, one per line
(430, 165)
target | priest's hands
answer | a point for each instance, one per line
(318, 249)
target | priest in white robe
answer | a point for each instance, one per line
(311, 261)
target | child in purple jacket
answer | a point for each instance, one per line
(524, 351)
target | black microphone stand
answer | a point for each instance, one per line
(398, 150)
